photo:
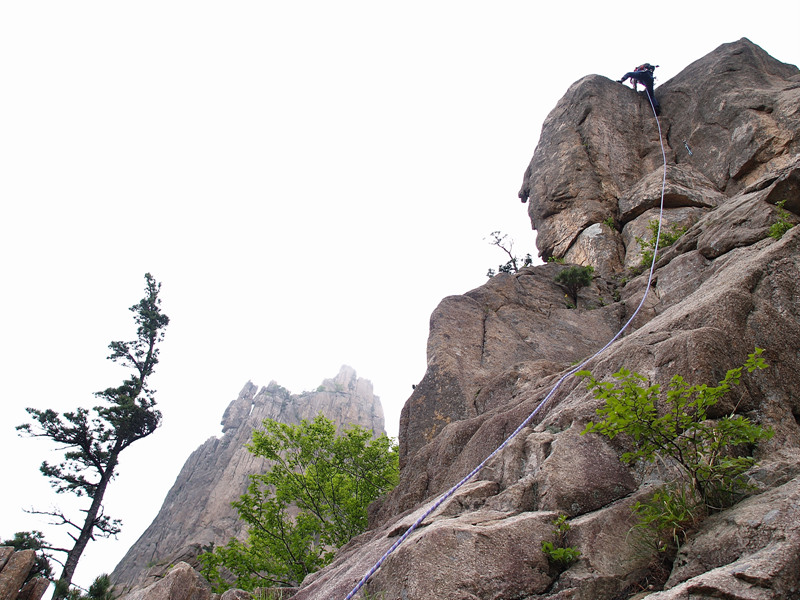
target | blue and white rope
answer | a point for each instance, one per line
(441, 499)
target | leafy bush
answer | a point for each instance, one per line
(709, 456)
(667, 238)
(783, 225)
(572, 279)
(558, 554)
(325, 480)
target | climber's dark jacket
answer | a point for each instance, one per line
(645, 77)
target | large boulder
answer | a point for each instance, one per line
(181, 582)
(15, 568)
(516, 318)
(749, 551)
(736, 109)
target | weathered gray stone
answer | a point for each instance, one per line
(235, 594)
(742, 221)
(472, 556)
(741, 122)
(756, 542)
(683, 187)
(513, 319)
(275, 593)
(34, 589)
(599, 246)
(181, 582)
(595, 145)
(599, 156)
(5, 554)
(575, 460)
(743, 300)
(639, 228)
(15, 572)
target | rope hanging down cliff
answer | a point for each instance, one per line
(441, 499)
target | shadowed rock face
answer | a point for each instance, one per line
(197, 511)
(495, 352)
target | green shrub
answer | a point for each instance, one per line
(710, 456)
(312, 500)
(558, 554)
(267, 594)
(572, 279)
(366, 595)
(783, 225)
(667, 238)
(666, 519)
(100, 589)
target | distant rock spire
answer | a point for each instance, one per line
(197, 511)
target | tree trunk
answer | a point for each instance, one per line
(87, 531)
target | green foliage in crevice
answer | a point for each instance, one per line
(708, 458)
(668, 237)
(778, 229)
(558, 554)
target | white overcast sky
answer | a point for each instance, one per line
(308, 179)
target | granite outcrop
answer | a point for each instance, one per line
(16, 581)
(731, 129)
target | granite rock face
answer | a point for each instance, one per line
(197, 510)
(496, 352)
(14, 568)
(180, 582)
(729, 122)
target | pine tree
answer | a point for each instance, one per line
(92, 440)
(572, 279)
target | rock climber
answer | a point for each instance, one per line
(644, 74)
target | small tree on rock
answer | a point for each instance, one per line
(572, 279)
(514, 263)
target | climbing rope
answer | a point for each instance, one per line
(441, 499)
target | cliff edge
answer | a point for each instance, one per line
(731, 125)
